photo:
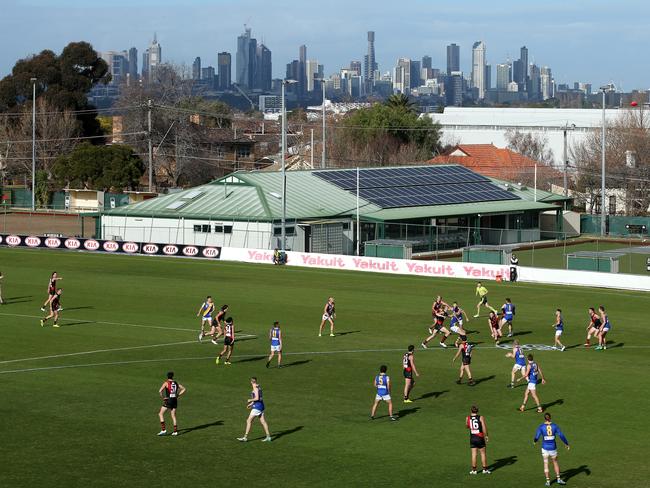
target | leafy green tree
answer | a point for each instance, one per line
(99, 167)
(42, 190)
(62, 80)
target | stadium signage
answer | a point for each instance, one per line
(528, 347)
(112, 246)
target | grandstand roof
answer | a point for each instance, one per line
(256, 195)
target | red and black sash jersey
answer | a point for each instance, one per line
(595, 321)
(466, 350)
(330, 309)
(51, 287)
(171, 389)
(220, 315)
(230, 330)
(56, 302)
(475, 425)
(406, 361)
(494, 321)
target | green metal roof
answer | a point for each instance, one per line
(256, 195)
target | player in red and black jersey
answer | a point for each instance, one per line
(218, 324)
(408, 365)
(465, 350)
(55, 308)
(494, 323)
(478, 437)
(169, 392)
(228, 341)
(51, 289)
(593, 327)
(439, 313)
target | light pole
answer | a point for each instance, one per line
(33, 80)
(284, 171)
(322, 160)
(567, 127)
(605, 89)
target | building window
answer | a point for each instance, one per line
(243, 152)
(225, 229)
(290, 231)
(219, 151)
(612, 205)
(202, 228)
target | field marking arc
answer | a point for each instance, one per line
(245, 356)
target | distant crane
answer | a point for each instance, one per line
(244, 95)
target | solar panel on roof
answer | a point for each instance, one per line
(418, 186)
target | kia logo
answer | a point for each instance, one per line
(111, 246)
(170, 249)
(33, 241)
(52, 242)
(13, 240)
(150, 248)
(91, 245)
(211, 252)
(190, 251)
(130, 247)
(72, 243)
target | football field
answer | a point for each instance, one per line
(80, 403)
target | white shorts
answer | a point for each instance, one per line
(257, 413)
(326, 316)
(548, 454)
(518, 367)
(276, 348)
(385, 398)
(207, 319)
(455, 329)
(558, 333)
(532, 386)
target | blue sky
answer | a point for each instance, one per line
(594, 41)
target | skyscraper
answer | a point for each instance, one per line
(504, 76)
(454, 89)
(133, 64)
(224, 67)
(453, 58)
(546, 80)
(154, 57)
(355, 66)
(415, 74)
(478, 68)
(312, 74)
(196, 68)
(534, 83)
(426, 62)
(246, 59)
(370, 63)
(301, 86)
(402, 76)
(263, 68)
(520, 69)
(118, 65)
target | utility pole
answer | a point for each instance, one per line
(149, 105)
(312, 148)
(33, 80)
(603, 227)
(322, 161)
(566, 163)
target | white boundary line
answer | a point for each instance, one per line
(90, 322)
(244, 356)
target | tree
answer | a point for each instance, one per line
(99, 167)
(530, 145)
(384, 134)
(400, 101)
(627, 157)
(63, 81)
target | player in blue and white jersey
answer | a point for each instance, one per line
(508, 311)
(382, 383)
(559, 329)
(520, 363)
(275, 336)
(535, 376)
(456, 324)
(205, 312)
(256, 405)
(604, 329)
(549, 431)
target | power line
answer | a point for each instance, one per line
(105, 136)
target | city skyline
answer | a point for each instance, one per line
(586, 55)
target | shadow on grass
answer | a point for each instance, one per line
(433, 394)
(573, 346)
(481, 380)
(249, 360)
(559, 401)
(347, 332)
(570, 473)
(408, 411)
(296, 363)
(81, 322)
(615, 344)
(79, 308)
(502, 463)
(523, 332)
(282, 433)
(200, 427)
(13, 299)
